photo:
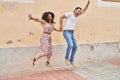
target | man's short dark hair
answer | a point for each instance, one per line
(77, 8)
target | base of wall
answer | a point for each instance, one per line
(18, 59)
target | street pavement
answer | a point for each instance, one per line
(92, 70)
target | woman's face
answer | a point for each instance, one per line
(50, 17)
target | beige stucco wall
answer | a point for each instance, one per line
(98, 24)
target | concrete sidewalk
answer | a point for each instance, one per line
(94, 70)
(100, 70)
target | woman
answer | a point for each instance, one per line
(46, 45)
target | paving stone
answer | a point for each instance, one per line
(47, 74)
(95, 70)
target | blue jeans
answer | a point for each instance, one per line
(72, 45)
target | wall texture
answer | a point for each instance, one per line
(19, 58)
(98, 24)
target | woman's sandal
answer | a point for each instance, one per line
(33, 61)
(48, 64)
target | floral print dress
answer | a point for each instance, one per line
(46, 42)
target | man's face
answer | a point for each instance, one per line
(77, 12)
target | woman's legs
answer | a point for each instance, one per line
(36, 58)
(48, 61)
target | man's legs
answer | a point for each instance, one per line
(73, 52)
(68, 37)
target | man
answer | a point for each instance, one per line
(68, 31)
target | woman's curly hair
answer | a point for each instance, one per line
(45, 16)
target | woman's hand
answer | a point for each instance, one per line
(30, 16)
(88, 1)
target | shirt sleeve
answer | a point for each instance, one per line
(67, 14)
